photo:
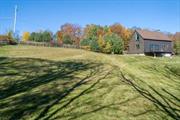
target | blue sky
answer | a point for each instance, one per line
(34, 15)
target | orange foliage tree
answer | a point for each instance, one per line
(72, 32)
(59, 38)
(122, 32)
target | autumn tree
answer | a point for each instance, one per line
(122, 32)
(59, 38)
(101, 43)
(25, 36)
(89, 38)
(92, 31)
(104, 39)
(71, 33)
(107, 48)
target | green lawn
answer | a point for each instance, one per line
(58, 83)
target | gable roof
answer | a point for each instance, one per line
(152, 35)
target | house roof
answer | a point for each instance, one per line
(152, 35)
(3, 37)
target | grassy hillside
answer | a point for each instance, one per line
(57, 83)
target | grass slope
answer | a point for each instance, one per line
(57, 83)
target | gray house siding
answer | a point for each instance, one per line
(133, 45)
(148, 45)
(157, 46)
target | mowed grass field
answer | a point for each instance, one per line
(66, 84)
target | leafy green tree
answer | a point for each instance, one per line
(102, 39)
(177, 47)
(116, 42)
(38, 37)
(101, 43)
(94, 46)
(32, 36)
(176, 39)
(122, 32)
(108, 48)
(46, 36)
(91, 31)
(85, 42)
(42, 36)
(10, 35)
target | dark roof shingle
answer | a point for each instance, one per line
(152, 35)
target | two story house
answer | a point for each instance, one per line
(150, 42)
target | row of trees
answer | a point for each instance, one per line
(106, 39)
(102, 39)
(42, 36)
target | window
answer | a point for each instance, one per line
(154, 47)
(137, 37)
(163, 47)
(157, 48)
(137, 46)
(151, 47)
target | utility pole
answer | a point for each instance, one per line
(15, 15)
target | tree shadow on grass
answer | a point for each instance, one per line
(30, 86)
(97, 108)
(169, 71)
(169, 105)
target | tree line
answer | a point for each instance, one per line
(105, 39)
